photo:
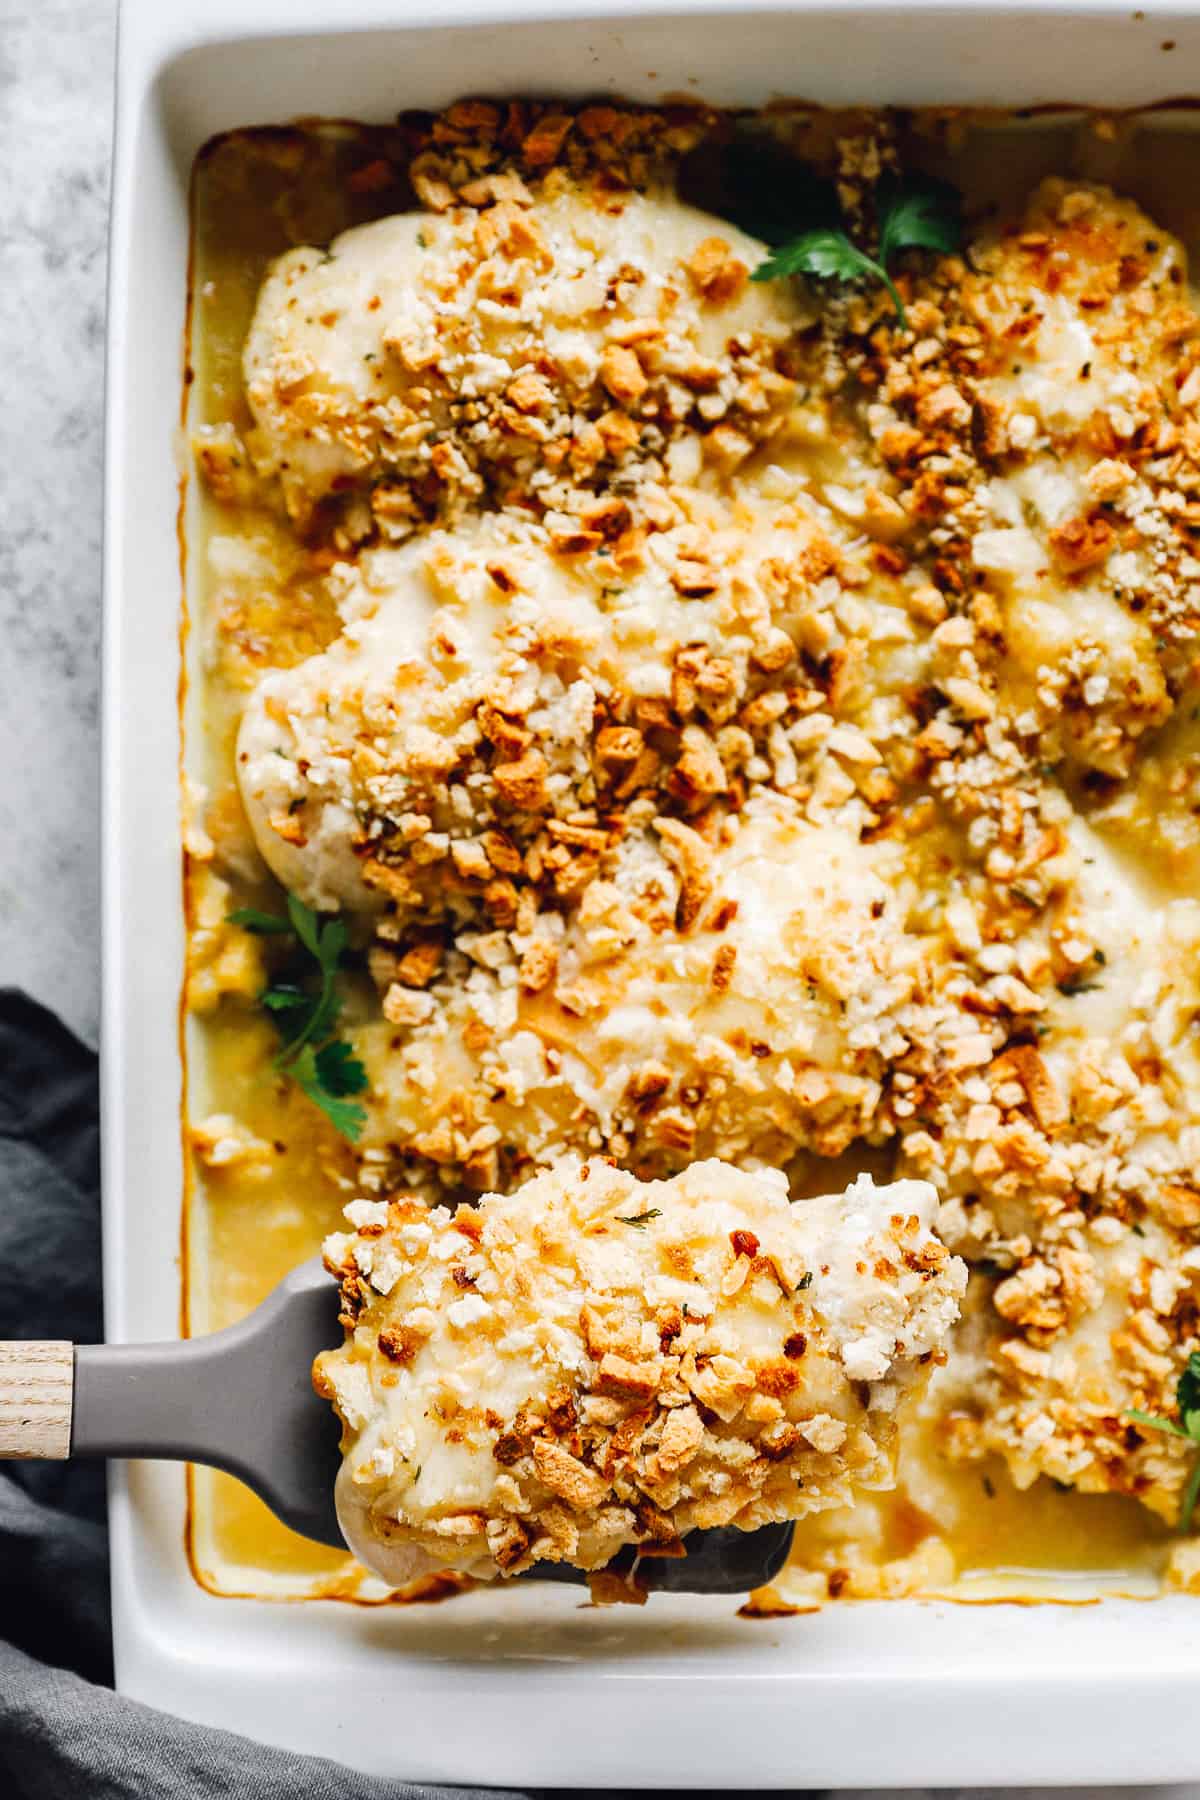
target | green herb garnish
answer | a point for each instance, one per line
(640, 1218)
(912, 215)
(1187, 1401)
(918, 215)
(265, 924)
(805, 1281)
(830, 255)
(321, 1064)
(283, 997)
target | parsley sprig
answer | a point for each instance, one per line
(917, 214)
(1187, 1401)
(322, 1065)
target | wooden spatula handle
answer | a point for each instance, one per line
(36, 1384)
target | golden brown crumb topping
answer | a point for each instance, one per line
(753, 727)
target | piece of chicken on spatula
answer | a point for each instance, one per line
(594, 1362)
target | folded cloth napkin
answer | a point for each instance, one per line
(62, 1733)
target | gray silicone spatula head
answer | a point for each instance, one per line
(242, 1400)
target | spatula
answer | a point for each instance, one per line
(242, 1400)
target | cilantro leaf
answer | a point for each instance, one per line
(331, 944)
(344, 1115)
(827, 253)
(321, 1064)
(640, 1219)
(918, 214)
(305, 925)
(250, 919)
(1154, 1423)
(340, 1070)
(321, 1021)
(284, 997)
(1187, 1401)
(1187, 1392)
(326, 942)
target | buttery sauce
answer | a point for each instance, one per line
(958, 1531)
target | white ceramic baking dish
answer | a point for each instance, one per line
(526, 1686)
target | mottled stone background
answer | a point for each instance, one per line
(56, 64)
